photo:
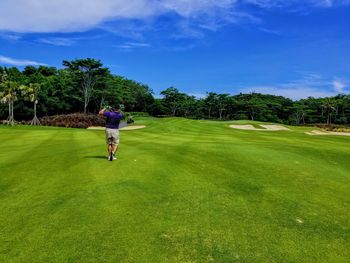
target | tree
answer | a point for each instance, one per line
(172, 98)
(87, 71)
(223, 101)
(157, 108)
(299, 113)
(210, 102)
(31, 93)
(255, 105)
(58, 94)
(328, 108)
(8, 94)
(343, 108)
(85, 84)
(187, 105)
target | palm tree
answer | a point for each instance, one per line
(8, 94)
(31, 93)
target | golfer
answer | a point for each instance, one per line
(113, 117)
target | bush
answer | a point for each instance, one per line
(138, 114)
(240, 116)
(334, 127)
(75, 120)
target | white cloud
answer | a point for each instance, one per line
(67, 15)
(339, 85)
(133, 17)
(194, 7)
(289, 3)
(18, 62)
(57, 41)
(324, 3)
(270, 31)
(310, 85)
(10, 37)
(198, 95)
(132, 45)
(80, 15)
(269, 3)
(45, 16)
(295, 93)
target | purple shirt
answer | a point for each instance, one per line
(113, 119)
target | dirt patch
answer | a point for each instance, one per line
(265, 126)
(127, 128)
(318, 132)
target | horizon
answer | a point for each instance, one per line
(294, 49)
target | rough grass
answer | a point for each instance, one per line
(180, 191)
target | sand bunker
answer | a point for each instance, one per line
(135, 127)
(318, 132)
(127, 128)
(243, 127)
(275, 128)
(265, 126)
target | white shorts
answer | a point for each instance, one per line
(112, 136)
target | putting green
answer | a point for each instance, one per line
(180, 191)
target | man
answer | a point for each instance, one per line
(113, 117)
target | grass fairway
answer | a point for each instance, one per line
(180, 191)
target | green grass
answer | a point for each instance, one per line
(180, 191)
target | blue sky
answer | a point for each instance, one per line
(285, 47)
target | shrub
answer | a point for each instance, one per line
(75, 120)
(138, 114)
(334, 127)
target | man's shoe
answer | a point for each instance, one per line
(114, 156)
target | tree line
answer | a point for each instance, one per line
(256, 106)
(85, 85)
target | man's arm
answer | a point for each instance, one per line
(102, 111)
(120, 114)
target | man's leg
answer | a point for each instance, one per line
(109, 143)
(110, 152)
(110, 149)
(115, 143)
(115, 148)
(114, 151)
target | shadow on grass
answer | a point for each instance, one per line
(95, 157)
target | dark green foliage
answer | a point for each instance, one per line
(173, 100)
(85, 86)
(62, 93)
(255, 106)
(157, 108)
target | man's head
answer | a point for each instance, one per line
(116, 108)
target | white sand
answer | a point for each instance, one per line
(127, 128)
(318, 132)
(135, 127)
(275, 127)
(266, 127)
(244, 127)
